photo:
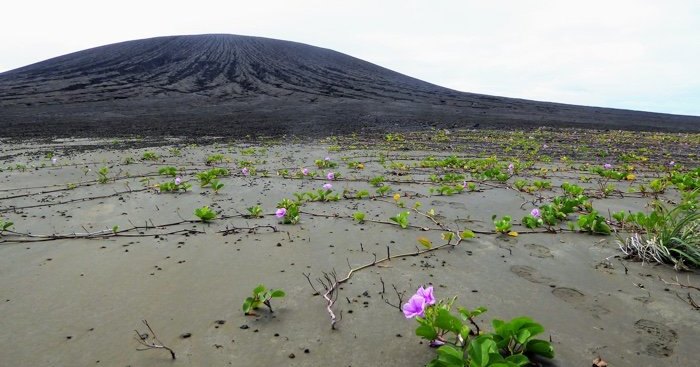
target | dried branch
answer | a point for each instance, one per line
(308, 278)
(679, 284)
(151, 341)
(400, 296)
(330, 284)
(254, 229)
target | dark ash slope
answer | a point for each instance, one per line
(226, 84)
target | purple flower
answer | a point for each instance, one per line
(327, 159)
(305, 171)
(178, 180)
(436, 343)
(671, 163)
(414, 307)
(464, 184)
(281, 212)
(54, 160)
(427, 294)
(328, 186)
(330, 176)
(607, 166)
(245, 171)
(545, 146)
(535, 213)
(511, 167)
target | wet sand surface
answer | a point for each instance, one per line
(77, 301)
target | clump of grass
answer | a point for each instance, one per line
(669, 236)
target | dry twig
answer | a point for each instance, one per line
(151, 341)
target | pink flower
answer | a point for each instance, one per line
(671, 163)
(328, 186)
(414, 307)
(245, 171)
(535, 213)
(545, 146)
(305, 171)
(281, 212)
(330, 176)
(178, 180)
(511, 167)
(607, 166)
(54, 160)
(464, 184)
(327, 159)
(427, 294)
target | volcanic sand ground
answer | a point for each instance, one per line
(78, 301)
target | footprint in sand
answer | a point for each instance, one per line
(530, 274)
(569, 295)
(538, 251)
(658, 339)
(457, 205)
(577, 299)
(438, 203)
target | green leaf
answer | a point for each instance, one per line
(259, 289)
(498, 325)
(479, 350)
(447, 236)
(450, 355)
(541, 347)
(359, 216)
(467, 314)
(277, 293)
(464, 332)
(467, 234)
(518, 360)
(247, 305)
(533, 328)
(522, 336)
(446, 321)
(425, 242)
(426, 332)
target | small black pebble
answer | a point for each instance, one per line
(277, 334)
(244, 326)
(398, 335)
(291, 355)
(69, 337)
(307, 351)
(185, 335)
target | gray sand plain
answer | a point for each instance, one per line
(77, 301)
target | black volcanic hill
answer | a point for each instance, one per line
(227, 84)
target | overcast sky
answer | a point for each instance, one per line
(642, 55)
